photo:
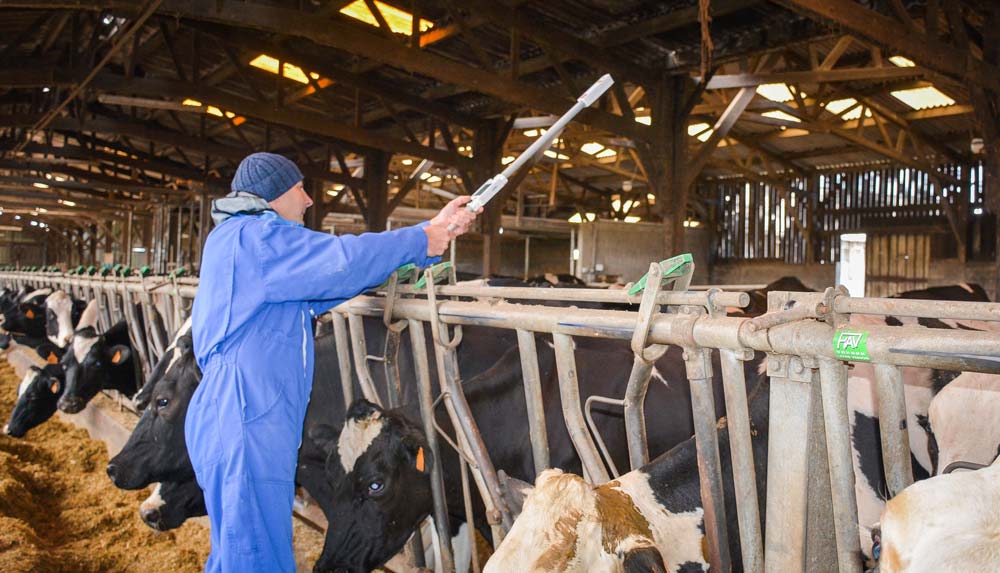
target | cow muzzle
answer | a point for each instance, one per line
(152, 517)
(71, 405)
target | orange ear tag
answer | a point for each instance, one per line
(55, 388)
(30, 314)
(117, 357)
(420, 459)
(52, 358)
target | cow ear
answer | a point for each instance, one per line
(119, 353)
(420, 455)
(325, 436)
(361, 409)
(644, 560)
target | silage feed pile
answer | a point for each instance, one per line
(59, 512)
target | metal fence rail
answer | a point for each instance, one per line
(808, 393)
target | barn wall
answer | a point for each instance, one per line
(548, 255)
(951, 271)
(17, 249)
(626, 249)
(815, 276)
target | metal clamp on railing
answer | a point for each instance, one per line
(394, 331)
(438, 328)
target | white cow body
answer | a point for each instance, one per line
(945, 524)
(965, 418)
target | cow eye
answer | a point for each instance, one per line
(375, 487)
(162, 403)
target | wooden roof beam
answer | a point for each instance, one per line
(367, 43)
(729, 81)
(302, 120)
(887, 32)
(159, 134)
(554, 40)
(252, 44)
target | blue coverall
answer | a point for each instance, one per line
(262, 280)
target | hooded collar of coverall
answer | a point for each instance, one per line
(240, 203)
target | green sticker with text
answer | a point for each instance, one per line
(851, 345)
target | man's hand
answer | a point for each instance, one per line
(454, 213)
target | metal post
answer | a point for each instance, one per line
(892, 423)
(343, 357)
(833, 379)
(527, 256)
(569, 393)
(572, 250)
(422, 371)
(821, 555)
(533, 400)
(698, 363)
(129, 222)
(741, 450)
(788, 473)
(360, 347)
(635, 419)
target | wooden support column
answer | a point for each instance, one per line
(986, 103)
(93, 245)
(377, 189)
(488, 148)
(666, 156)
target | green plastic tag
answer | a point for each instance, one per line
(437, 271)
(673, 268)
(851, 345)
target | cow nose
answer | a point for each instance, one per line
(112, 472)
(70, 405)
(151, 517)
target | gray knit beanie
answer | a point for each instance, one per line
(266, 175)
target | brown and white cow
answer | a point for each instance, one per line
(945, 524)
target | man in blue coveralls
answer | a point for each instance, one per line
(264, 276)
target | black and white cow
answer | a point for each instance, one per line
(37, 396)
(650, 519)
(27, 316)
(62, 315)
(179, 346)
(171, 503)
(490, 364)
(156, 450)
(98, 361)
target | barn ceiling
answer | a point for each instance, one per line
(125, 104)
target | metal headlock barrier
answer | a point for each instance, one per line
(808, 339)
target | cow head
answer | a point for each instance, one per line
(171, 503)
(156, 450)
(28, 315)
(179, 346)
(570, 526)
(378, 467)
(59, 310)
(88, 362)
(36, 399)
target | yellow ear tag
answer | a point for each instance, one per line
(30, 314)
(52, 358)
(55, 388)
(117, 357)
(420, 459)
